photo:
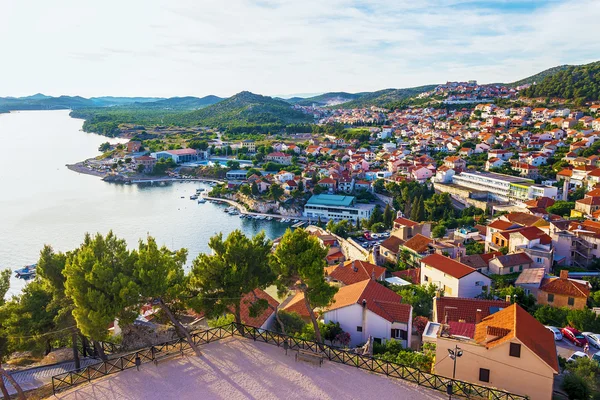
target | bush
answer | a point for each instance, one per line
(221, 321)
(576, 387)
(292, 321)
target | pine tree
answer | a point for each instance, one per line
(388, 216)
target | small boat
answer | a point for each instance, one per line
(269, 218)
(295, 221)
(26, 272)
(199, 190)
(201, 201)
(193, 197)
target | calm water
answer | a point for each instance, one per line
(42, 202)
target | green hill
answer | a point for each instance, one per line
(537, 78)
(382, 98)
(182, 103)
(245, 108)
(576, 82)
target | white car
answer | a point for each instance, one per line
(593, 339)
(576, 355)
(557, 333)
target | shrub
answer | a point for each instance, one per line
(576, 387)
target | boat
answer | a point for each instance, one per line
(193, 197)
(199, 190)
(201, 201)
(269, 218)
(295, 221)
(26, 272)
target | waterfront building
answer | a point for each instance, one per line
(179, 156)
(250, 145)
(147, 161)
(236, 175)
(328, 206)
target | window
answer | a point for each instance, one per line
(538, 260)
(515, 350)
(550, 298)
(520, 268)
(395, 333)
(426, 278)
(571, 301)
(511, 269)
(484, 375)
(359, 329)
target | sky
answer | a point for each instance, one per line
(169, 48)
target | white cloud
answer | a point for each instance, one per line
(186, 47)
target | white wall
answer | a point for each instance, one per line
(464, 287)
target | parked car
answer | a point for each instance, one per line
(596, 357)
(574, 336)
(367, 235)
(374, 235)
(576, 355)
(593, 339)
(557, 334)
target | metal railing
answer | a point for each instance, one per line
(432, 381)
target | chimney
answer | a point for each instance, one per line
(508, 300)
(478, 316)
(564, 274)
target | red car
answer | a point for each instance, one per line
(367, 235)
(574, 336)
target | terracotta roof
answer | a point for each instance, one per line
(392, 243)
(418, 243)
(382, 301)
(565, 287)
(521, 218)
(412, 275)
(511, 260)
(533, 233)
(488, 256)
(447, 265)
(515, 323)
(247, 302)
(353, 271)
(405, 222)
(531, 276)
(500, 224)
(474, 261)
(296, 304)
(462, 313)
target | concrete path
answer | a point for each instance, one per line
(34, 378)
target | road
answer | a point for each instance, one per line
(34, 378)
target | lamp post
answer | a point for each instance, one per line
(454, 354)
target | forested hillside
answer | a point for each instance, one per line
(580, 83)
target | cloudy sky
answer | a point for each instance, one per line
(276, 47)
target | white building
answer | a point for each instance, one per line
(368, 308)
(329, 206)
(454, 278)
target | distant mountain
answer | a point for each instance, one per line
(189, 103)
(326, 99)
(246, 108)
(537, 78)
(575, 82)
(41, 102)
(382, 98)
(107, 101)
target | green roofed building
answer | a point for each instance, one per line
(330, 206)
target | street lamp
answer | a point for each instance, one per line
(454, 354)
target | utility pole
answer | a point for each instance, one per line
(454, 354)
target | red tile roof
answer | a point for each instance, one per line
(250, 299)
(412, 275)
(405, 222)
(418, 243)
(565, 287)
(380, 300)
(353, 271)
(447, 265)
(460, 309)
(515, 323)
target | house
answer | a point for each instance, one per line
(328, 183)
(389, 250)
(418, 247)
(368, 309)
(353, 271)
(455, 162)
(236, 175)
(453, 277)
(279, 158)
(405, 228)
(563, 292)
(134, 146)
(147, 161)
(250, 145)
(265, 320)
(179, 156)
(461, 315)
(510, 350)
(510, 263)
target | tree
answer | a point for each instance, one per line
(98, 281)
(275, 191)
(231, 164)
(475, 248)
(301, 186)
(245, 190)
(298, 263)
(576, 387)
(379, 186)
(159, 278)
(4, 284)
(388, 216)
(237, 266)
(140, 168)
(561, 207)
(439, 231)
(419, 297)
(104, 147)
(255, 191)
(376, 216)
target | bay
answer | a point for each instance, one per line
(43, 202)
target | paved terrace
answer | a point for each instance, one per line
(235, 368)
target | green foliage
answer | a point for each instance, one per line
(576, 387)
(98, 280)
(341, 228)
(376, 216)
(549, 315)
(388, 217)
(378, 227)
(392, 351)
(577, 194)
(104, 147)
(575, 82)
(162, 165)
(439, 231)
(293, 322)
(419, 297)
(437, 206)
(4, 283)
(221, 320)
(331, 330)
(561, 207)
(231, 164)
(475, 248)
(237, 266)
(276, 191)
(379, 186)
